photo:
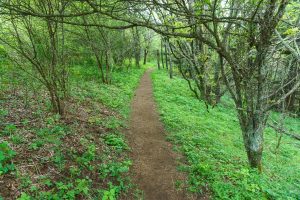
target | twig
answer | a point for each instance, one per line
(276, 128)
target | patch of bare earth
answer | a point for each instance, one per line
(154, 162)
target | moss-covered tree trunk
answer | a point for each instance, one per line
(253, 142)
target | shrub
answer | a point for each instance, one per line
(6, 155)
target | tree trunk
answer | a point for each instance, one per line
(60, 106)
(166, 55)
(107, 67)
(217, 89)
(162, 54)
(171, 69)
(170, 63)
(145, 56)
(158, 59)
(137, 51)
(99, 63)
(253, 141)
(137, 60)
(56, 101)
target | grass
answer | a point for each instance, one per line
(84, 155)
(213, 147)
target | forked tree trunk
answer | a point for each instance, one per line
(57, 102)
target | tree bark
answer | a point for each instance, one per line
(166, 55)
(170, 63)
(217, 89)
(137, 51)
(145, 56)
(158, 59)
(162, 53)
(253, 139)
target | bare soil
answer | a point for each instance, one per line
(154, 168)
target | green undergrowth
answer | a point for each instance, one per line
(81, 156)
(115, 95)
(212, 143)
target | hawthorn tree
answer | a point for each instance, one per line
(39, 43)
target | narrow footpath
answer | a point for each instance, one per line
(154, 162)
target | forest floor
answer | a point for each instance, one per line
(81, 156)
(154, 161)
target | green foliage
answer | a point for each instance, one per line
(116, 96)
(114, 169)
(24, 196)
(17, 139)
(70, 190)
(3, 113)
(292, 31)
(212, 142)
(6, 155)
(25, 181)
(88, 156)
(110, 194)
(115, 141)
(59, 159)
(112, 123)
(51, 134)
(9, 129)
(3, 54)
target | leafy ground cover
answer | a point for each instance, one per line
(211, 141)
(83, 155)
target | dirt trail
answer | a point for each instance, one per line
(154, 167)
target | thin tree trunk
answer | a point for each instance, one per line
(171, 69)
(56, 101)
(170, 63)
(158, 59)
(137, 48)
(145, 56)
(217, 89)
(107, 67)
(166, 55)
(162, 53)
(99, 63)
